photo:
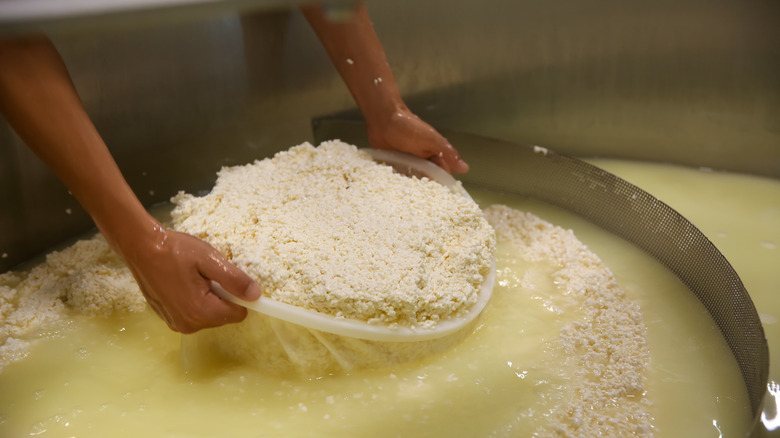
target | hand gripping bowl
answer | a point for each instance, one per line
(306, 336)
(405, 164)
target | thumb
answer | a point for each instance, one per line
(232, 279)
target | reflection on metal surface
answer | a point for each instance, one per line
(720, 432)
(770, 417)
(18, 16)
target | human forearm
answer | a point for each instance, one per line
(174, 270)
(40, 102)
(359, 57)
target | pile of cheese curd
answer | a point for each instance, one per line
(123, 376)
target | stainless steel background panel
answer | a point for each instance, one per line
(180, 95)
(691, 82)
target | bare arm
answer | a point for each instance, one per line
(38, 99)
(359, 57)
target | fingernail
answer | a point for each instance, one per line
(254, 292)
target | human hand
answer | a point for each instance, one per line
(404, 131)
(360, 59)
(39, 100)
(174, 271)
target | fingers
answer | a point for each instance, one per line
(199, 308)
(209, 311)
(176, 279)
(460, 166)
(234, 280)
(448, 159)
(441, 162)
(406, 132)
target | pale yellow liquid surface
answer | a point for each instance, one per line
(123, 377)
(740, 214)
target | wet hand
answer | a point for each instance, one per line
(174, 271)
(404, 131)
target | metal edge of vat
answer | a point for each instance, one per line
(624, 210)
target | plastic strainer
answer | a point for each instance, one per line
(405, 164)
(286, 336)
